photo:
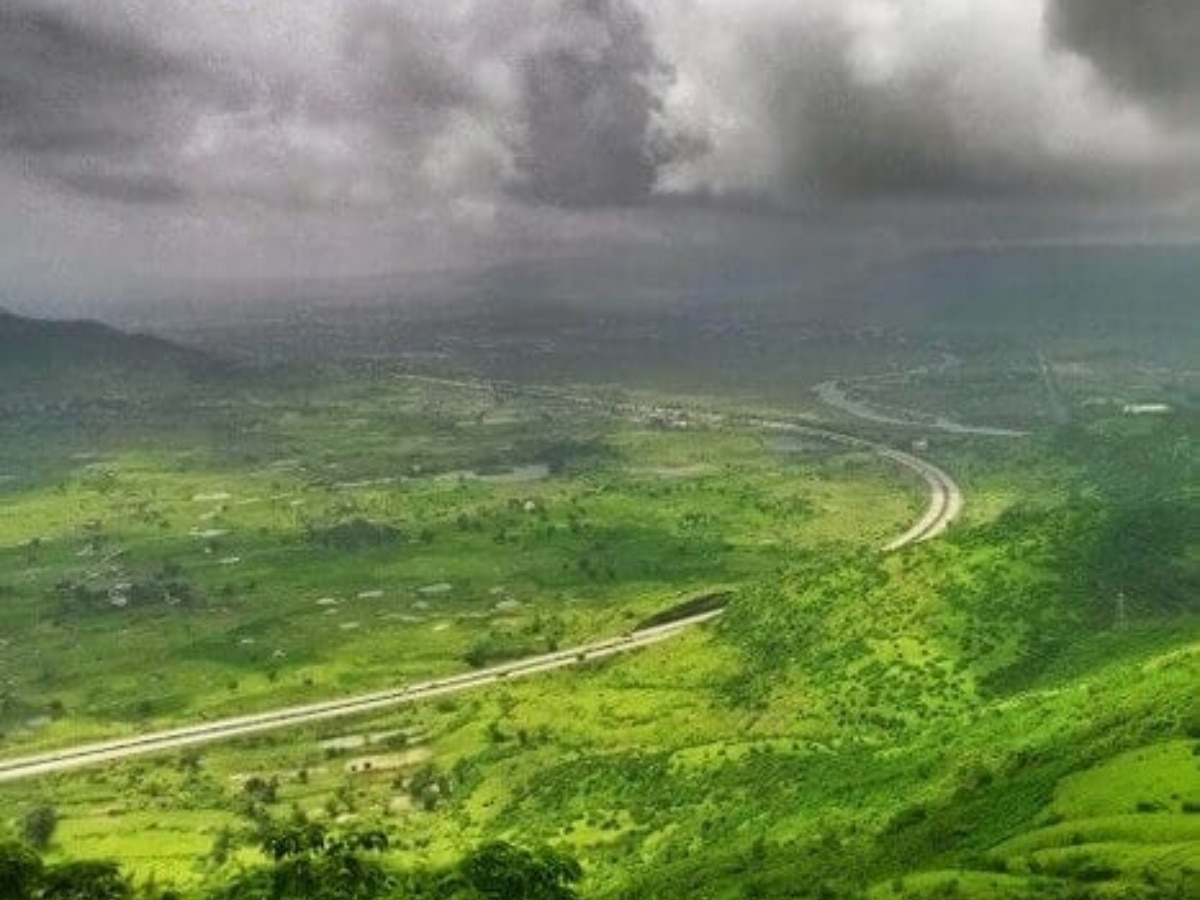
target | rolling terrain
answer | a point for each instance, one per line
(42, 359)
(945, 505)
(1008, 710)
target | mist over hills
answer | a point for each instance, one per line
(754, 320)
(89, 357)
(1124, 291)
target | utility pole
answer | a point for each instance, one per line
(1122, 616)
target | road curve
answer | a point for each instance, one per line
(945, 504)
(832, 393)
(291, 717)
(945, 496)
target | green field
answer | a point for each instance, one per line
(1009, 711)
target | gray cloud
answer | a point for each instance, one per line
(90, 107)
(457, 110)
(60, 82)
(590, 108)
(405, 63)
(374, 135)
(408, 75)
(553, 102)
(844, 134)
(880, 100)
(136, 187)
(1146, 50)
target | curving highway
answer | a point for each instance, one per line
(945, 500)
(832, 393)
(945, 496)
(945, 504)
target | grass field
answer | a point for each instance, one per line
(1007, 712)
(369, 539)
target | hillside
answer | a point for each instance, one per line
(1008, 711)
(65, 359)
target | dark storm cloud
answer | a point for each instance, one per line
(557, 102)
(590, 109)
(87, 106)
(379, 135)
(405, 67)
(1145, 50)
(853, 101)
(458, 109)
(140, 188)
(58, 80)
(845, 136)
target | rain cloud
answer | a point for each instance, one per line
(391, 133)
(1144, 51)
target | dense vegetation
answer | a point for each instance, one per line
(1007, 712)
(309, 863)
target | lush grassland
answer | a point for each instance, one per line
(1010, 711)
(366, 536)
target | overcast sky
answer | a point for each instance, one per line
(144, 142)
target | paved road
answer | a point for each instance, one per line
(832, 393)
(945, 496)
(945, 504)
(291, 717)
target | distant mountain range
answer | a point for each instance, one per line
(86, 357)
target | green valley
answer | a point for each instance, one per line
(1007, 709)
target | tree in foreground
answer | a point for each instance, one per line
(85, 880)
(39, 824)
(20, 871)
(502, 871)
(309, 863)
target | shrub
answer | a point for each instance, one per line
(20, 871)
(356, 534)
(39, 824)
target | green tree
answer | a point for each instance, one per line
(85, 880)
(261, 790)
(20, 871)
(39, 824)
(308, 863)
(502, 871)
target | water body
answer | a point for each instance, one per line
(515, 475)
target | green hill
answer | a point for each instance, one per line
(1010, 711)
(64, 359)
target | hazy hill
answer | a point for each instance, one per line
(58, 359)
(1139, 295)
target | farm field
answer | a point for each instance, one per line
(304, 548)
(292, 540)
